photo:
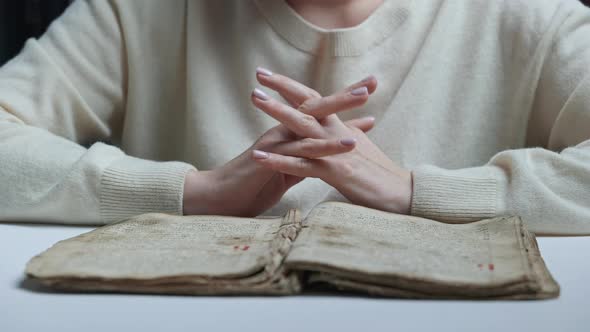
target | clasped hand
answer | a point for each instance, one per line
(311, 141)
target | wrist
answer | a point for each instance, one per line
(197, 192)
(406, 193)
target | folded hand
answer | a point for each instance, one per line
(364, 175)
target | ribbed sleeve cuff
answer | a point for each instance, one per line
(457, 196)
(133, 186)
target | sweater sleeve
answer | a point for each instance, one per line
(547, 186)
(59, 100)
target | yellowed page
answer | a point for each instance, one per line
(414, 254)
(171, 252)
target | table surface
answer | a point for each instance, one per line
(23, 308)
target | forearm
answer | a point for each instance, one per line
(548, 187)
(548, 190)
(46, 178)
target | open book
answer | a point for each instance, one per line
(339, 247)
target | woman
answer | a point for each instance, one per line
(476, 109)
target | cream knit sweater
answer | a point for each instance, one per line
(488, 102)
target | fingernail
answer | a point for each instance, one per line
(260, 94)
(260, 155)
(371, 118)
(263, 71)
(360, 91)
(368, 78)
(348, 141)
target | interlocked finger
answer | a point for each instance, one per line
(369, 82)
(302, 167)
(364, 124)
(315, 148)
(297, 93)
(301, 124)
(294, 92)
(338, 102)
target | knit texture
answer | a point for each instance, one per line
(134, 186)
(486, 102)
(454, 198)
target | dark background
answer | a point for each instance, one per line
(21, 19)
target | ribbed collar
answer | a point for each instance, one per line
(337, 42)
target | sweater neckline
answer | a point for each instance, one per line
(353, 41)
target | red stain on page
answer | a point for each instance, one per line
(490, 266)
(245, 248)
(242, 248)
(236, 247)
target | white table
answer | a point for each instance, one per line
(25, 309)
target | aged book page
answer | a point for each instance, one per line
(159, 253)
(361, 249)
